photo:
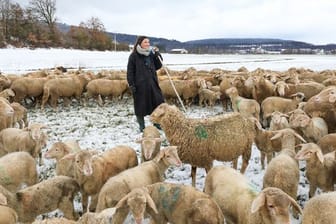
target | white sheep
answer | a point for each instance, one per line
(150, 143)
(208, 97)
(313, 128)
(146, 173)
(173, 203)
(16, 169)
(20, 115)
(320, 169)
(201, 141)
(320, 209)
(44, 197)
(7, 93)
(278, 121)
(7, 214)
(242, 204)
(55, 221)
(275, 103)
(247, 107)
(283, 170)
(60, 149)
(91, 171)
(6, 114)
(104, 87)
(29, 139)
(103, 217)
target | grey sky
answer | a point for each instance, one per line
(312, 21)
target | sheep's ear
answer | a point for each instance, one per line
(122, 202)
(320, 155)
(295, 205)
(277, 135)
(299, 137)
(150, 201)
(258, 202)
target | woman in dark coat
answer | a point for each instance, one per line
(142, 79)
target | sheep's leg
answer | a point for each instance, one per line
(235, 163)
(120, 215)
(312, 190)
(269, 156)
(246, 157)
(193, 175)
(66, 206)
(100, 100)
(262, 160)
(85, 197)
(93, 202)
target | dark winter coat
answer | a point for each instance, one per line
(143, 81)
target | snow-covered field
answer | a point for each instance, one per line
(104, 127)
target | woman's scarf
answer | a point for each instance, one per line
(143, 51)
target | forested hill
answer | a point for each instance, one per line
(227, 45)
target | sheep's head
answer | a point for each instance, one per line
(169, 155)
(274, 203)
(137, 200)
(308, 151)
(148, 145)
(161, 110)
(57, 150)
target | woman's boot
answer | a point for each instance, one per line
(141, 121)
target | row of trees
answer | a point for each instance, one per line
(36, 26)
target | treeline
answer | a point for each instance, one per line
(36, 26)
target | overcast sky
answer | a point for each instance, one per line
(312, 21)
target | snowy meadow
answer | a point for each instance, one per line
(105, 127)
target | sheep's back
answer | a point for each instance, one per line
(201, 141)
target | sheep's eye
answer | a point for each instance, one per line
(270, 206)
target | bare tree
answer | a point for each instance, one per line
(4, 19)
(45, 11)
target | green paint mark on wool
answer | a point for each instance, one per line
(201, 132)
(169, 197)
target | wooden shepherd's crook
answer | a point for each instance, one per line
(172, 84)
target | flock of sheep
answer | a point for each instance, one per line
(289, 116)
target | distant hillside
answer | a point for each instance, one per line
(225, 45)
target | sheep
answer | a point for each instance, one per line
(320, 169)
(72, 86)
(327, 143)
(28, 139)
(283, 170)
(275, 103)
(262, 88)
(44, 197)
(247, 107)
(7, 93)
(5, 82)
(323, 105)
(278, 121)
(208, 97)
(92, 171)
(7, 214)
(24, 171)
(57, 151)
(146, 173)
(320, 209)
(104, 87)
(55, 221)
(312, 128)
(20, 115)
(241, 204)
(6, 114)
(150, 143)
(173, 203)
(200, 141)
(24, 87)
(103, 217)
